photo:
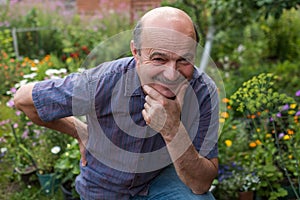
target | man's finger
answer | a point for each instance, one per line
(147, 107)
(146, 117)
(152, 92)
(181, 93)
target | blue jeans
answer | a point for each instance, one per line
(167, 186)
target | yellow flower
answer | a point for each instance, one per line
(286, 137)
(268, 135)
(252, 144)
(233, 127)
(258, 130)
(222, 120)
(291, 112)
(228, 143)
(290, 156)
(69, 60)
(225, 115)
(293, 106)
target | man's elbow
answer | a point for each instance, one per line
(201, 190)
(23, 98)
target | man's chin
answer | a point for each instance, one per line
(166, 92)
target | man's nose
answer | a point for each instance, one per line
(170, 72)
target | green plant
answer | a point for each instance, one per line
(67, 166)
(271, 126)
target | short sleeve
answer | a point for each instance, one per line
(59, 98)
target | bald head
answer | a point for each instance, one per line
(166, 18)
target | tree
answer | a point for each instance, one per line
(212, 16)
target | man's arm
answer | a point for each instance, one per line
(69, 125)
(163, 115)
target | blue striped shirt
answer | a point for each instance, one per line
(123, 153)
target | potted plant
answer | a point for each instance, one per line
(21, 146)
(67, 168)
(51, 145)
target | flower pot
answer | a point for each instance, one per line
(49, 183)
(247, 195)
(68, 195)
(27, 175)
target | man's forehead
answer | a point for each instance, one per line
(170, 54)
(167, 39)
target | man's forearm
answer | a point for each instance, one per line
(196, 171)
(69, 125)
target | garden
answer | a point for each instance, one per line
(254, 45)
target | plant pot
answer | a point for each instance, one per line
(27, 175)
(68, 195)
(49, 183)
(247, 195)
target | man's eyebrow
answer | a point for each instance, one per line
(157, 54)
(187, 56)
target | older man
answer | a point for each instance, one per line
(152, 118)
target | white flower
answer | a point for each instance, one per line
(55, 150)
(23, 82)
(33, 69)
(80, 69)
(63, 71)
(240, 48)
(36, 61)
(31, 76)
(3, 150)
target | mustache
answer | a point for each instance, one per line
(166, 81)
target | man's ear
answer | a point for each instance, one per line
(134, 50)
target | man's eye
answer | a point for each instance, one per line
(184, 62)
(158, 60)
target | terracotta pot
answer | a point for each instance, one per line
(247, 195)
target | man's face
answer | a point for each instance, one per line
(166, 61)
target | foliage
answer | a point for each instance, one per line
(283, 35)
(6, 42)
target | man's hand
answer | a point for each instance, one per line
(163, 114)
(82, 137)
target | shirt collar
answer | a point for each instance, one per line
(132, 81)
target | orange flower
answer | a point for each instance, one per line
(225, 100)
(228, 107)
(233, 127)
(290, 132)
(258, 142)
(258, 113)
(225, 115)
(252, 144)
